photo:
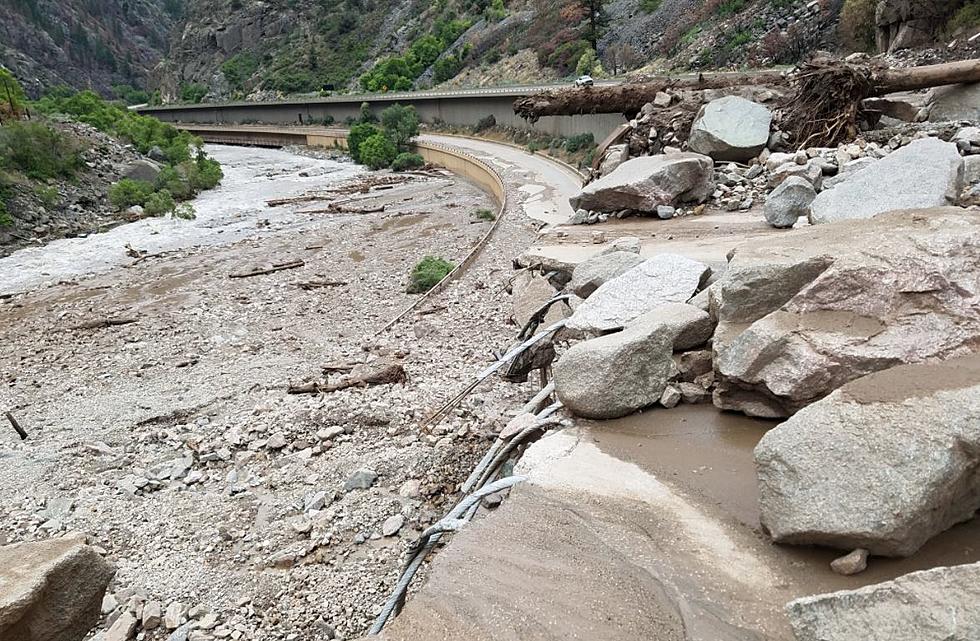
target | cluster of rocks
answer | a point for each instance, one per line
(735, 161)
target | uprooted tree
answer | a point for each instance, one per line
(825, 107)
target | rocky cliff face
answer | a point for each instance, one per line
(84, 44)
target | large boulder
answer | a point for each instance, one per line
(925, 173)
(666, 278)
(789, 202)
(960, 103)
(641, 184)
(731, 128)
(804, 313)
(618, 374)
(531, 292)
(884, 463)
(933, 605)
(51, 590)
(589, 275)
(143, 169)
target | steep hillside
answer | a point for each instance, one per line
(84, 43)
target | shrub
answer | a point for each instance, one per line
(485, 123)
(406, 160)
(130, 95)
(730, 7)
(239, 68)
(185, 211)
(967, 17)
(427, 274)
(159, 203)
(38, 151)
(378, 151)
(649, 6)
(12, 99)
(587, 63)
(357, 135)
(193, 93)
(48, 196)
(857, 24)
(6, 220)
(128, 192)
(400, 124)
(485, 214)
(581, 141)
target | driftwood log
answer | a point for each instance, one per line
(824, 109)
(293, 264)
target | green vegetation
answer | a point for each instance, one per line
(130, 95)
(12, 99)
(573, 144)
(357, 135)
(193, 93)
(128, 192)
(239, 68)
(38, 151)
(588, 64)
(387, 145)
(48, 196)
(407, 160)
(730, 7)
(427, 274)
(649, 6)
(485, 214)
(857, 24)
(188, 171)
(378, 151)
(398, 73)
(400, 124)
(966, 17)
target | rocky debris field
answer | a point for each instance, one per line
(160, 427)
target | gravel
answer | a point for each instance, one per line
(219, 496)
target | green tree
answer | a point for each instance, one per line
(12, 99)
(357, 135)
(401, 124)
(596, 21)
(377, 152)
(587, 63)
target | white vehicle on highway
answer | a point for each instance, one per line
(584, 81)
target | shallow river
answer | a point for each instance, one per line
(224, 215)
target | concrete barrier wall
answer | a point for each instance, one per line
(460, 111)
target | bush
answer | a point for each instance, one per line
(48, 196)
(12, 99)
(358, 134)
(649, 6)
(239, 68)
(730, 7)
(128, 192)
(857, 24)
(378, 151)
(159, 203)
(400, 124)
(581, 141)
(487, 122)
(485, 214)
(193, 93)
(967, 17)
(427, 274)
(406, 160)
(587, 63)
(130, 95)
(38, 151)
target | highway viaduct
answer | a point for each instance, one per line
(460, 108)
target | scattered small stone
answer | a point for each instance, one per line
(853, 563)
(360, 480)
(392, 525)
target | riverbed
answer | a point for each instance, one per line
(225, 215)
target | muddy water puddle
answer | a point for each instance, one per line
(706, 455)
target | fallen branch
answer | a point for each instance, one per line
(105, 322)
(271, 270)
(17, 428)
(387, 374)
(334, 208)
(321, 284)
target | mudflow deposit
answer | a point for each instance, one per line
(722, 384)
